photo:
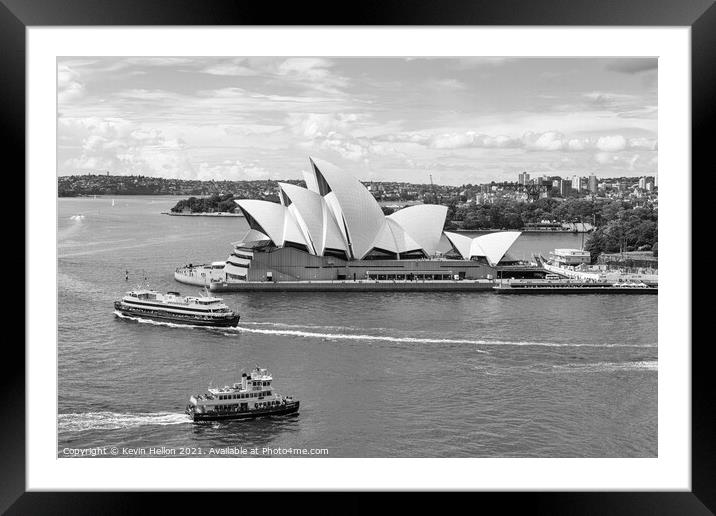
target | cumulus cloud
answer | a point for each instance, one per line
(611, 143)
(314, 125)
(313, 73)
(207, 117)
(549, 141)
(471, 139)
(69, 86)
(123, 147)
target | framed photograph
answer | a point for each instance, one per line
(404, 251)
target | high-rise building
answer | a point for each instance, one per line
(577, 183)
(593, 184)
(523, 178)
(642, 183)
(565, 187)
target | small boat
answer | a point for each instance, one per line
(172, 307)
(631, 284)
(250, 398)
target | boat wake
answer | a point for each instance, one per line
(114, 421)
(286, 325)
(168, 324)
(416, 340)
(610, 367)
(285, 331)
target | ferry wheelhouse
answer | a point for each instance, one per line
(252, 397)
(172, 307)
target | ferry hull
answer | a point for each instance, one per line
(171, 318)
(289, 408)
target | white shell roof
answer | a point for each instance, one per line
(461, 242)
(253, 235)
(392, 237)
(492, 246)
(275, 220)
(362, 215)
(349, 213)
(312, 213)
(310, 178)
(424, 223)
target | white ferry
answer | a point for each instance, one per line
(172, 307)
(252, 397)
(576, 264)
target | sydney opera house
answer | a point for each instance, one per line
(334, 229)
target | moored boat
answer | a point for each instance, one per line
(173, 308)
(250, 398)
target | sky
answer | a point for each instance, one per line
(463, 120)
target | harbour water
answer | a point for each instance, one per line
(378, 374)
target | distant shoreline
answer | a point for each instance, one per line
(202, 214)
(523, 230)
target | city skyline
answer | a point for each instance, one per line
(463, 120)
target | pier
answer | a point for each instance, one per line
(355, 286)
(568, 286)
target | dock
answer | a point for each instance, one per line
(355, 286)
(567, 286)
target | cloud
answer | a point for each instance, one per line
(124, 147)
(608, 99)
(643, 144)
(258, 116)
(312, 73)
(468, 63)
(235, 68)
(611, 143)
(447, 85)
(316, 125)
(549, 141)
(470, 139)
(633, 65)
(69, 86)
(231, 170)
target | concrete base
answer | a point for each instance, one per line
(354, 286)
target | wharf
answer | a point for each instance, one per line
(355, 286)
(565, 286)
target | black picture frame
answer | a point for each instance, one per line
(700, 15)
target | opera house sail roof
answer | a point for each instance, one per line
(335, 215)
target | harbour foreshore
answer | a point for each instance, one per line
(212, 214)
(194, 276)
(354, 286)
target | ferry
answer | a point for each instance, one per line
(576, 264)
(250, 398)
(172, 307)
